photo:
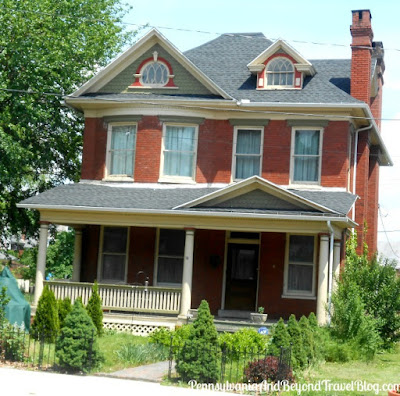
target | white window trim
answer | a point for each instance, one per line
(100, 257)
(298, 294)
(293, 138)
(179, 179)
(121, 177)
(155, 277)
(266, 73)
(235, 131)
(140, 75)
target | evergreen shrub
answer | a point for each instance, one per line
(77, 348)
(299, 356)
(94, 309)
(280, 338)
(198, 358)
(64, 308)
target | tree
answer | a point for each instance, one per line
(64, 308)
(46, 322)
(77, 348)
(198, 358)
(308, 339)
(94, 309)
(280, 338)
(59, 257)
(47, 49)
(296, 339)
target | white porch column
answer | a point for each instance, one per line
(76, 271)
(186, 299)
(336, 262)
(41, 261)
(322, 279)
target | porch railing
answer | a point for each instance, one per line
(150, 299)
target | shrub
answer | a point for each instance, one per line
(198, 358)
(46, 320)
(94, 309)
(4, 300)
(12, 341)
(308, 340)
(136, 354)
(245, 340)
(266, 369)
(163, 335)
(298, 353)
(319, 335)
(64, 308)
(77, 348)
(280, 338)
(339, 352)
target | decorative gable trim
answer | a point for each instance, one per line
(303, 65)
(250, 184)
(138, 49)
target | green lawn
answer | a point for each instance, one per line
(384, 369)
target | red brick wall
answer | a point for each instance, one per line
(90, 252)
(276, 152)
(207, 281)
(94, 149)
(214, 152)
(141, 254)
(148, 150)
(335, 161)
(271, 275)
(373, 200)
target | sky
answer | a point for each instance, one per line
(318, 30)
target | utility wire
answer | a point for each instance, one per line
(384, 230)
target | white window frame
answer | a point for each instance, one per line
(299, 294)
(156, 255)
(235, 131)
(292, 156)
(175, 178)
(266, 73)
(100, 258)
(154, 85)
(121, 177)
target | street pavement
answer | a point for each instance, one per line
(17, 382)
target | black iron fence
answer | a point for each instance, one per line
(238, 365)
(38, 350)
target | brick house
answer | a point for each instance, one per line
(231, 172)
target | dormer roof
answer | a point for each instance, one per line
(302, 65)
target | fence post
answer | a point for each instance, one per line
(170, 358)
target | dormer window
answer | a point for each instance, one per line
(280, 73)
(155, 72)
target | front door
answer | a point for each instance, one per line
(241, 277)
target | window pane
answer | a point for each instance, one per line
(301, 248)
(178, 164)
(170, 270)
(300, 277)
(114, 239)
(306, 169)
(113, 267)
(172, 242)
(179, 138)
(122, 150)
(122, 163)
(247, 166)
(155, 73)
(248, 142)
(307, 143)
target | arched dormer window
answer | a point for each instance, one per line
(155, 72)
(280, 73)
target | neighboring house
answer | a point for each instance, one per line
(232, 173)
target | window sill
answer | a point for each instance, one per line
(315, 185)
(177, 179)
(118, 178)
(298, 297)
(130, 88)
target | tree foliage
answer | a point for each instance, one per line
(280, 338)
(59, 257)
(198, 358)
(64, 308)
(47, 47)
(299, 355)
(94, 309)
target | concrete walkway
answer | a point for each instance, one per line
(150, 372)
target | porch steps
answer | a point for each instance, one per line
(233, 313)
(231, 325)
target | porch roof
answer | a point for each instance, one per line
(104, 196)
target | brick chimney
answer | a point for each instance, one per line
(361, 47)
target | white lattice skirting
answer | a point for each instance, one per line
(135, 327)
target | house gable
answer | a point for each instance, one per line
(119, 75)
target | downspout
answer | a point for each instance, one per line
(353, 217)
(330, 269)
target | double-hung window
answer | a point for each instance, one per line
(178, 161)
(121, 147)
(247, 155)
(280, 73)
(300, 268)
(171, 246)
(306, 155)
(114, 254)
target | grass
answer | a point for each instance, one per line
(383, 369)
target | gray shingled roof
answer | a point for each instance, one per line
(225, 61)
(105, 196)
